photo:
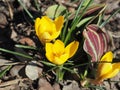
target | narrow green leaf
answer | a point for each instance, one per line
(16, 53)
(77, 12)
(64, 31)
(75, 22)
(26, 47)
(47, 63)
(72, 71)
(2, 73)
(85, 73)
(69, 63)
(100, 19)
(29, 14)
(83, 21)
(86, 3)
(78, 18)
(37, 5)
(107, 20)
(53, 68)
(100, 14)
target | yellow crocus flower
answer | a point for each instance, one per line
(106, 69)
(47, 29)
(58, 54)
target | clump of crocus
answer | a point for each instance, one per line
(106, 69)
(47, 29)
(58, 54)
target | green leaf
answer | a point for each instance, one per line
(26, 47)
(86, 2)
(70, 70)
(2, 73)
(85, 73)
(51, 69)
(15, 53)
(48, 63)
(77, 12)
(64, 31)
(55, 11)
(29, 14)
(76, 21)
(107, 20)
(83, 21)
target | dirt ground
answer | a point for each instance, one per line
(16, 27)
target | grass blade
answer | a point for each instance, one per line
(16, 53)
(76, 21)
(78, 10)
(47, 63)
(65, 28)
(25, 47)
(29, 14)
(84, 21)
(107, 20)
(2, 73)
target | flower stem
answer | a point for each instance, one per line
(59, 73)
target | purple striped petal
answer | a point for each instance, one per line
(96, 42)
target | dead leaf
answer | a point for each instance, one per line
(7, 62)
(21, 50)
(11, 82)
(17, 70)
(27, 41)
(10, 9)
(72, 86)
(44, 85)
(11, 87)
(3, 20)
(33, 70)
(13, 35)
(56, 86)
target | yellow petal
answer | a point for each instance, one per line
(110, 74)
(103, 71)
(107, 70)
(49, 53)
(116, 65)
(72, 48)
(47, 25)
(114, 71)
(55, 52)
(45, 37)
(37, 23)
(108, 57)
(103, 68)
(58, 47)
(55, 34)
(59, 23)
(60, 60)
(48, 19)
